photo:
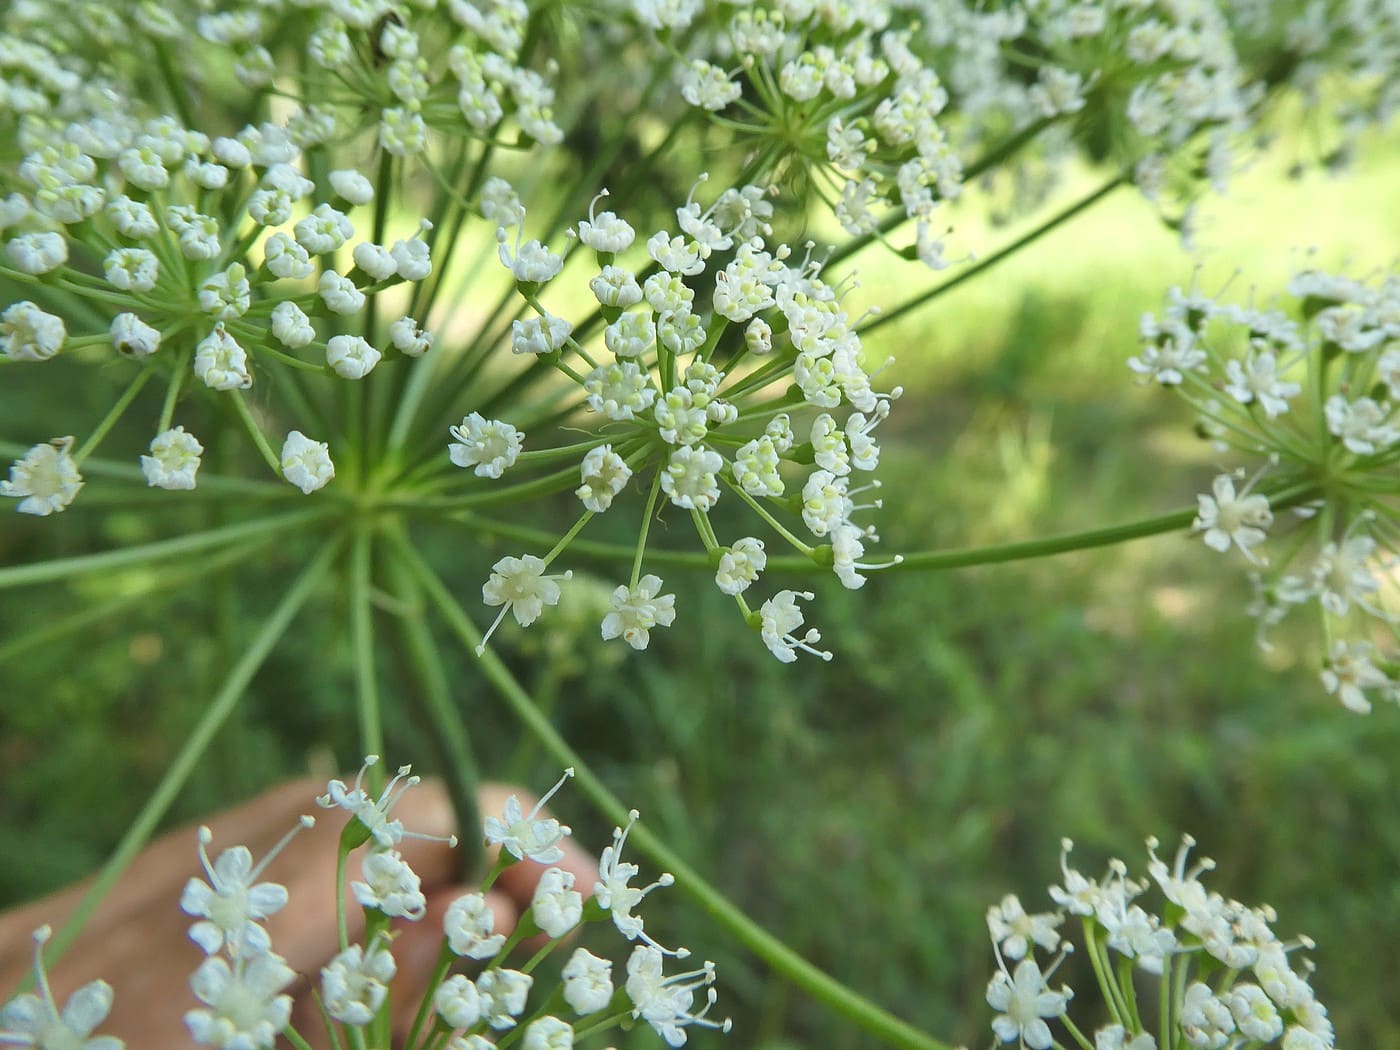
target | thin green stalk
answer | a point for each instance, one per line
(255, 432)
(782, 959)
(113, 414)
(183, 764)
(362, 633)
(106, 561)
(983, 265)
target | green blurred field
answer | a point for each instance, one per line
(869, 811)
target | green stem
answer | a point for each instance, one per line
(184, 763)
(259, 439)
(362, 633)
(782, 959)
(996, 257)
(113, 414)
(86, 564)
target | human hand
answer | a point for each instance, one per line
(137, 940)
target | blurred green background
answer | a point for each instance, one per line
(870, 810)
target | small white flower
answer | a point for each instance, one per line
(604, 474)
(340, 294)
(779, 619)
(35, 1020)
(244, 1007)
(613, 893)
(630, 335)
(1115, 1037)
(689, 479)
(174, 460)
(1206, 1022)
(412, 259)
(636, 610)
(665, 1002)
(503, 993)
(408, 338)
(1024, 1002)
(556, 907)
(1256, 1017)
(220, 363)
(1227, 518)
(325, 230)
(1349, 673)
(548, 1033)
(306, 463)
(1014, 931)
(533, 262)
(489, 445)
(458, 1002)
(519, 586)
(616, 287)
(132, 219)
(355, 983)
(372, 813)
(226, 295)
(351, 186)
(605, 233)
(28, 333)
(529, 835)
(539, 335)
(291, 326)
(391, 886)
(740, 565)
(588, 985)
(468, 925)
(45, 479)
(37, 253)
(350, 356)
(232, 902)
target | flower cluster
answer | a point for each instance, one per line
(720, 368)
(1226, 979)
(34, 1019)
(1315, 392)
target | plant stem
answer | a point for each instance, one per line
(113, 414)
(183, 764)
(362, 644)
(778, 956)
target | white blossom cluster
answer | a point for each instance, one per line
(242, 985)
(1315, 391)
(35, 1019)
(721, 370)
(1210, 971)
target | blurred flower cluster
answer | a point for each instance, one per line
(1311, 388)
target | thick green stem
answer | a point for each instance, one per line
(183, 764)
(821, 986)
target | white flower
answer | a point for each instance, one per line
(131, 269)
(690, 477)
(284, 257)
(665, 1002)
(340, 294)
(325, 230)
(351, 186)
(503, 993)
(539, 335)
(620, 391)
(740, 565)
(133, 337)
(306, 463)
(826, 502)
(174, 460)
(45, 479)
(1255, 1016)
(605, 233)
(1014, 931)
(616, 287)
(533, 262)
(37, 253)
(468, 925)
(351, 357)
(35, 1020)
(408, 338)
(391, 886)
(636, 610)
(226, 295)
(412, 258)
(604, 474)
(779, 618)
(458, 1002)
(588, 985)
(1349, 673)
(1227, 518)
(708, 87)
(556, 907)
(132, 219)
(375, 260)
(1024, 1001)
(355, 983)
(523, 835)
(1206, 1022)
(1363, 425)
(291, 326)
(548, 1033)
(630, 335)
(1115, 1037)
(28, 333)
(613, 893)
(1258, 380)
(245, 1010)
(373, 813)
(232, 902)
(519, 586)
(489, 445)
(220, 363)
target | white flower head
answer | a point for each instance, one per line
(740, 565)
(306, 463)
(556, 907)
(174, 460)
(503, 993)
(45, 480)
(488, 445)
(408, 338)
(34, 1019)
(458, 1002)
(231, 903)
(779, 620)
(605, 233)
(244, 1008)
(529, 835)
(355, 983)
(519, 586)
(613, 892)
(548, 1033)
(1350, 673)
(391, 886)
(604, 474)
(532, 263)
(28, 333)
(539, 335)
(133, 337)
(588, 985)
(468, 926)
(1024, 1001)
(1226, 518)
(1014, 931)
(220, 363)
(351, 357)
(291, 326)
(636, 610)
(373, 814)
(666, 1002)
